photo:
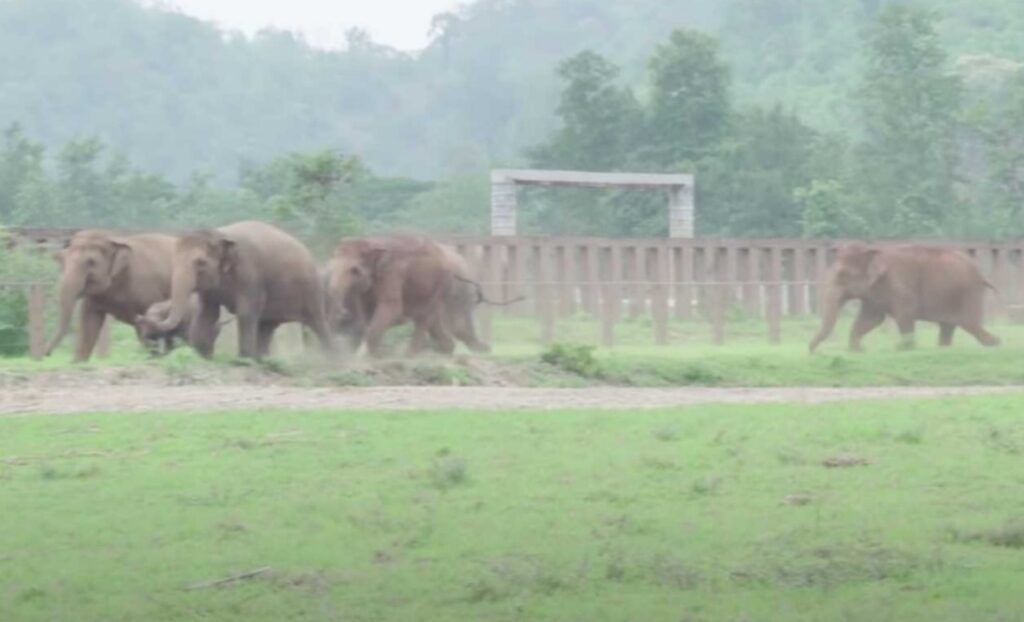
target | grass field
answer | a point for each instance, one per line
(745, 360)
(711, 513)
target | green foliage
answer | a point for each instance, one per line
(909, 105)
(689, 99)
(13, 323)
(574, 358)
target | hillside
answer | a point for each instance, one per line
(176, 95)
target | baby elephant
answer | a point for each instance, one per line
(147, 326)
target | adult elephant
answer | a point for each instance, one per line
(375, 284)
(113, 275)
(262, 275)
(909, 284)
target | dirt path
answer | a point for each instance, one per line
(144, 396)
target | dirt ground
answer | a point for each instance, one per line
(134, 390)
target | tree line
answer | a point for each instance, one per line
(932, 148)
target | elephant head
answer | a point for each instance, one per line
(90, 263)
(202, 261)
(857, 271)
(349, 277)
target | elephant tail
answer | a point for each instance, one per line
(482, 298)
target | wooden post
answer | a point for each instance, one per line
(522, 279)
(611, 298)
(659, 296)
(567, 280)
(638, 278)
(798, 295)
(592, 290)
(754, 290)
(546, 289)
(717, 298)
(774, 294)
(37, 321)
(684, 277)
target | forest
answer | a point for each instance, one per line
(798, 117)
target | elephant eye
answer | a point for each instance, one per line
(356, 271)
(91, 262)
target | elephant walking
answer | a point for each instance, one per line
(262, 275)
(375, 284)
(112, 275)
(909, 284)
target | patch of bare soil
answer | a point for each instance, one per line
(152, 388)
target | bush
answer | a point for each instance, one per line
(13, 323)
(573, 358)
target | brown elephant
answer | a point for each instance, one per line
(375, 284)
(147, 326)
(262, 275)
(112, 275)
(907, 283)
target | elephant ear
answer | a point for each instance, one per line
(376, 257)
(878, 266)
(121, 255)
(228, 255)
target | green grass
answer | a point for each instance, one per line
(746, 359)
(699, 514)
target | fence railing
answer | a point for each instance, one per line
(699, 279)
(665, 280)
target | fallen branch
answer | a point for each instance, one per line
(237, 578)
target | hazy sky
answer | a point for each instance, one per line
(399, 23)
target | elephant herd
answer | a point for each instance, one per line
(175, 287)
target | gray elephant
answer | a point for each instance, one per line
(909, 284)
(147, 326)
(121, 276)
(262, 275)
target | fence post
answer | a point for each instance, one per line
(659, 297)
(774, 294)
(684, 276)
(36, 321)
(611, 302)
(546, 292)
(593, 287)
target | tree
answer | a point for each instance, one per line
(908, 104)
(689, 103)
(600, 121)
(747, 186)
(311, 193)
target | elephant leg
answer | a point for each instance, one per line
(868, 319)
(441, 340)
(984, 337)
(418, 342)
(90, 325)
(317, 322)
(906, 328)
(464, 329)
(384, 317)
(248, 336)
(264, 336)
(946, 331)
(202, 333)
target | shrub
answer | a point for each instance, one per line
(573, 358)
(13, 323)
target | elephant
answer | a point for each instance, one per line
(375, 284)
(146, 325)
(113, 275)
(908, 283)
(261, 274)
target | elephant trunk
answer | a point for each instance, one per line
(831, 303)
(72, 283)
(183, 283)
